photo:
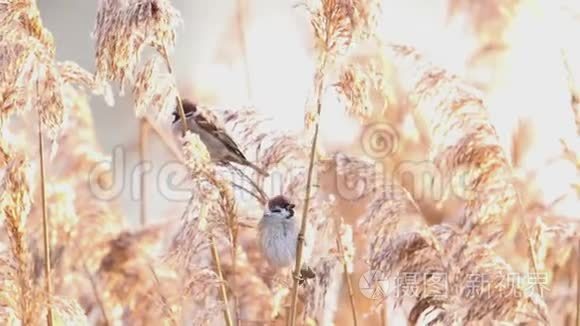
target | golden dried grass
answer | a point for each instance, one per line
(106, 273)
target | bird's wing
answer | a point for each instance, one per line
(210, 123)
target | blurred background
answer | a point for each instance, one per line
(258, 52)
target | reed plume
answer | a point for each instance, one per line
(217, 207)
(154, 90)
(16, 201)
(447, 261)
(124, 28)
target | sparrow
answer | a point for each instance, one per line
(278, 235)
(221, 147)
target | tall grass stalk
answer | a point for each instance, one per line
(578, 286)
(179, 101)
(45, 224)
(165, 139)
(214, 250)
(314, 145)
(223, 289)
(528, 235)
(98, 297)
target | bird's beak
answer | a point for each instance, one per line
(291, 210)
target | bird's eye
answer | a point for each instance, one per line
(276, 210)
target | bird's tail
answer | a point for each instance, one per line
(257, 169)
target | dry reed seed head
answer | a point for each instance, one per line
(540, 239)
(226, 201)
(354, 88)
(254, 297)
(4, 156)
(214, 203)
(273, 148)
(61, 199)
(15, 204)
(464, 143)
(571, 154)
(399, 238)
(123, 291)
(197, 158)
(504, 295)
(81, 118)
(8, 316)
(6, 150)
(72, 73)
(356, 177)
(129, 247)
(453, 292)
(280, 150)
(24, 15)
(366, 18)
(16, 185)
(200, 283)
(321, 233)
(124, 27)
(36, 77)
(68, 312)
(207, 314)
(339, 23)
(189, 246)
(18, 63)
(154, 90)
(50, 101)
(490, 18)
(322, 293)
(387, 208)
(332, 21)
(32, 81)
(83, 155)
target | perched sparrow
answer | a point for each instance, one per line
(278, 234)
(220, 145)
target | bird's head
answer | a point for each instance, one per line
(280, 207)
(189, 108)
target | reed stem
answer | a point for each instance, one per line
(165, 139)
(578, 286)
(97, 296)
(178, 98)
(301, 234)
(45, 225)
(223, 290)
